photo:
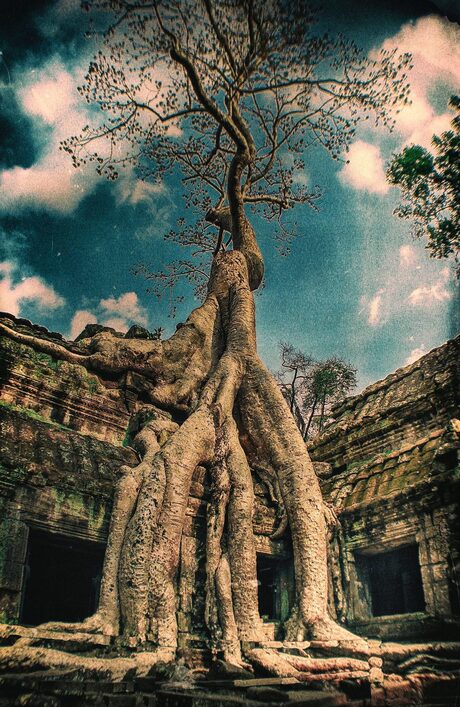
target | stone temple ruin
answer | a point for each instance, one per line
(388, 464)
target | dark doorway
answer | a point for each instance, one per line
(62, 578)
(275, 586)
(394, 581)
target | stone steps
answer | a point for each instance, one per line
(374, 673)
(43, 689)
(54, 691)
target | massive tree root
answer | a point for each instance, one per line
(233, 418)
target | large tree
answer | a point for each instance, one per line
(229, 94)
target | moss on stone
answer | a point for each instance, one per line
(45, 359)
(32, 414)
(80, 505)
(73, 377)
(4, 534)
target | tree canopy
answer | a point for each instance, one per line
(430, 188)
(229, 95)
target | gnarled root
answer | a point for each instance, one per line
(278, 444)
(240, 540)
(219, 614)
(152, 540)
(171, 372)
(232, 595)
(138, 596)
(155, 429)
(150, 550)
(230, 644)
(272, 662)
(30, 658)
(307, 669)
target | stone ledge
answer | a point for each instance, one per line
(9, 632)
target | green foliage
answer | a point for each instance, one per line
(430, 187)
(332, 380)
(312, 387)
(27, 356)
(93, 385)
(46, 360)
(32, 414)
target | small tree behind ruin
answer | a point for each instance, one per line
(312, 387)
(229, 95)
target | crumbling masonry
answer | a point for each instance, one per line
(388, 465)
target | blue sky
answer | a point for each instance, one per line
(355, 283)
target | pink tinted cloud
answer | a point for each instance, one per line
(28, 289)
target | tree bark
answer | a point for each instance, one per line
(307, 428)
(235, 416)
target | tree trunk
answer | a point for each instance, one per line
(310, 419)
(236, 417)
(321, 418)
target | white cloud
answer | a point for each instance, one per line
(117, 312)
(116, 323)
(33, 289)
(434, 43)
(373, 308)
(427, 295)
(418, 122)
(301, 178)
(423, 134)
(80, 319)
(412, 116)
(156, 200)
(415, 354)
(408, 256)
(405, 291)
(44, 185)
(50, 98)
(365, 169)
(136, 191)
(126, 306)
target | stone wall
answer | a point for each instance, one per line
(51, 479)
(62, 393)
(389, 465)
(393, 477)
